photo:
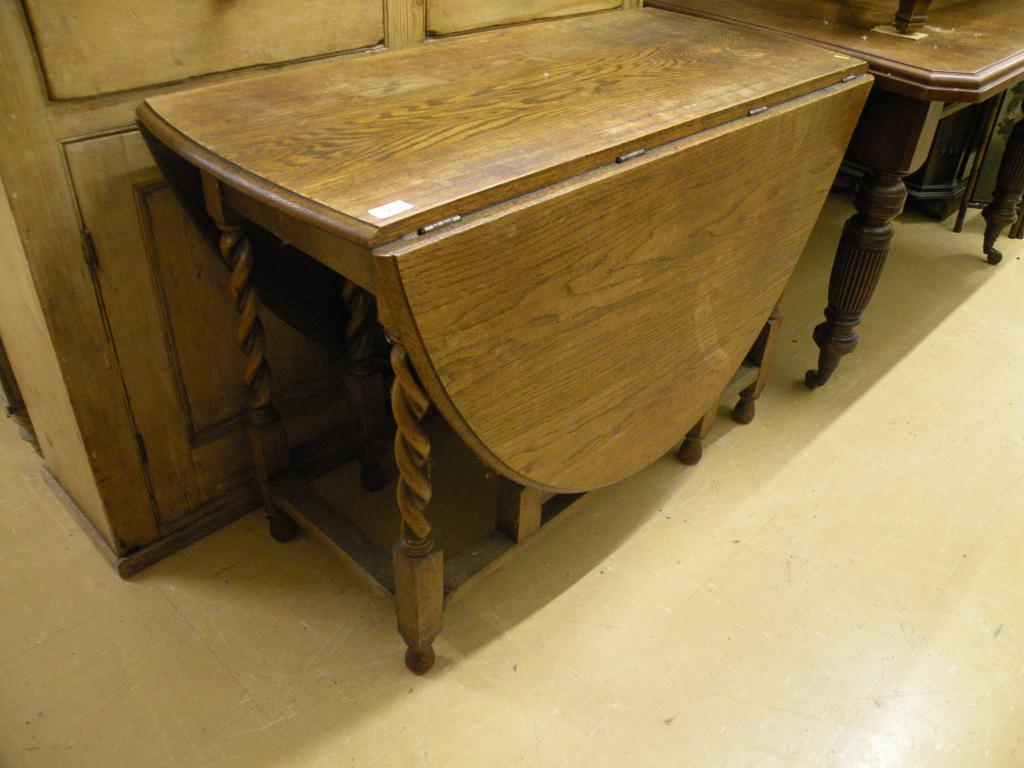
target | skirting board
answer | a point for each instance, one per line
(227, 508)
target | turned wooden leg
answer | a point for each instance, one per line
(519, 509)
(912, 15)
(267, 440)
(419, 567)
(369, 382)
(761, 355)
(692, 449)
(860, 257)
(1004, 208)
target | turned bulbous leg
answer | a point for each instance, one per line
(761, 355)
(1003, 211)
(692, 449)
(745, 409)
(860, 257)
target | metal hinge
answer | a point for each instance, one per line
(143, 455)
(89, 247)
(631, 155)
(438, 224)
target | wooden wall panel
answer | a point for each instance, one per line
(89, 48)
(32, 355)
(404, 22)
(103, 479)
(448, 16)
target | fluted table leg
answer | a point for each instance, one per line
(419, 567)
(893, 139)
(860, 257)
(1005, 206)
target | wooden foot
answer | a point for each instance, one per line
(745, 409)
(369, 382)
(912, 15)
(692, 449)
(519, 509)
(761, 355)
(860, 257)
(419, 662)
(268, 443)
(1002, 212)
(419, 567)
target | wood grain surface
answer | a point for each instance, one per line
(121, 44)
(573, 335)
(463, 123)
(973, 48)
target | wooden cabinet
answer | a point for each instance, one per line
(113, 309)
(157, 279)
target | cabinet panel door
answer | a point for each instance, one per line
(164, 292)
(101, 46)
(447, 16)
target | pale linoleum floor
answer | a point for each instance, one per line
(838, 584)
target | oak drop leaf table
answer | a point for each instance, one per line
(960, 52)
(573, 233)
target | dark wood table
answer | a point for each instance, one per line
(561, 227)
(966, 53)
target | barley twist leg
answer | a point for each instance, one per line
(419, 567)
(369, 382)
(267, 441)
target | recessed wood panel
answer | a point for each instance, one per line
(164, 291)
(447, 16)
(99, 46)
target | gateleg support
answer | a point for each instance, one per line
(692, 449)
(519, 509)
(761, 355)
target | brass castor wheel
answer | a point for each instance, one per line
(744, 411)
(282, 528)
(419, 662)
(372, 477)
(691, 451)
(993, 256)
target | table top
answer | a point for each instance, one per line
(372, 147)
(973, 48)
